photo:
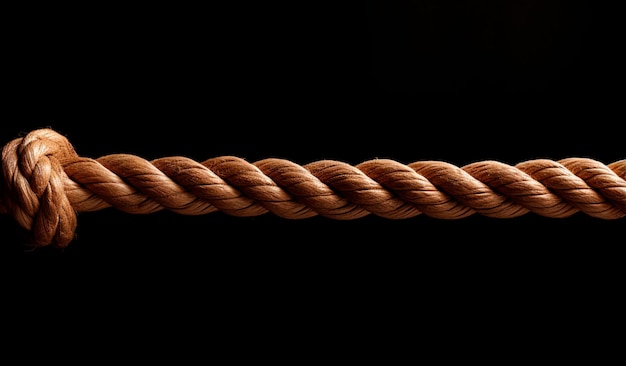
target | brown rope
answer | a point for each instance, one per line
(44, 183)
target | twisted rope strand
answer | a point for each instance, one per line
(45, 183)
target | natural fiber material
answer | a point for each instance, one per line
(44, 183)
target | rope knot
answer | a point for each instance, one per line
(32, 188)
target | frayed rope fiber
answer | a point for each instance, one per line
(45, 183)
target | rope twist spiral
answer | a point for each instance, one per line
(45, 183)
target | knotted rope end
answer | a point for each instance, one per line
(32, 186)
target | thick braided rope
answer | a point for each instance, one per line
(44, 183)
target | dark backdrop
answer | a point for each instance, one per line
(406, 80)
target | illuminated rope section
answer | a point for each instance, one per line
(45, 183)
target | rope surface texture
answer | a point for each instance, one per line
(45, 183)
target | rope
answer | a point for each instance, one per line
(45, 183)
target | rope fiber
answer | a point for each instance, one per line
(45, 183)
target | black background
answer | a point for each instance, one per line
(406, 80)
